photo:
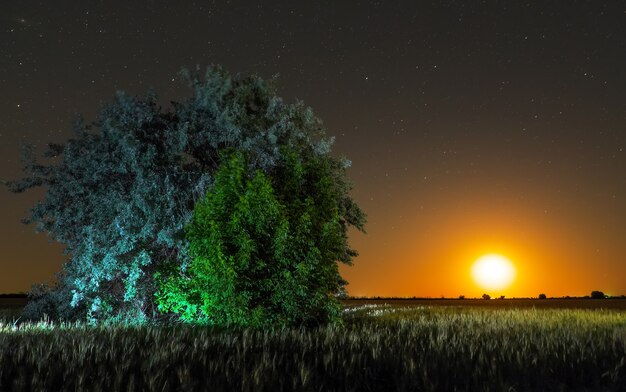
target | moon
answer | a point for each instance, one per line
(493, 272)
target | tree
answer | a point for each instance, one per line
(264, 251)
(486, 296)
(542, 296)
(120, 192)
(597, 295)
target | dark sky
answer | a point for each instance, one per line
(473, 127)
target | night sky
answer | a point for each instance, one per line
(473, 127)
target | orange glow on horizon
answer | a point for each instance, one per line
(433, 253)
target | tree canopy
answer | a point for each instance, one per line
(263, 250)
(121, 191)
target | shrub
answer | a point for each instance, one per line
(263, 250)
(597, 295)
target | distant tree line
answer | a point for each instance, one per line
(14, 295)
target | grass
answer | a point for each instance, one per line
(551, 303)
(379, 348)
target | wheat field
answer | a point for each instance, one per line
(379, 347)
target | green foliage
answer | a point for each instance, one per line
(262, 252)
(120, 192)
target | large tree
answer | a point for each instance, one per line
(120, 192)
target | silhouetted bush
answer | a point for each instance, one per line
(486, 296)
(542, 296)
(597, 295)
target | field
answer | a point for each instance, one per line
(552, 303)
(402, 345)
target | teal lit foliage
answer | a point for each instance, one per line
(265, 249)
(120, 192)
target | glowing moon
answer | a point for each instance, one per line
(493, 272)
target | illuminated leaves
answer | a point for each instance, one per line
(120, 192)
(264, 250)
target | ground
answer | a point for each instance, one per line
(383, 345)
